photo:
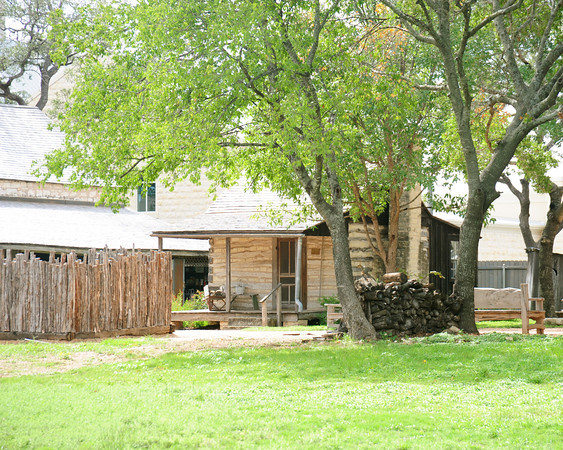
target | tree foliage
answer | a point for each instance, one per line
(25, 46)
(267, 91)
(509, 53)
(401, 130)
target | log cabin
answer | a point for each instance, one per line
(250, 256)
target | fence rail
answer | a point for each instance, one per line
(104, 293)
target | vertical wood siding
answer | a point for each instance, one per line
(103, 292)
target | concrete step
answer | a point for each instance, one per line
(242, 322)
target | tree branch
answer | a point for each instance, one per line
(509, 52)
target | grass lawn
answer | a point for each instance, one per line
(513, 323)
(438, 392)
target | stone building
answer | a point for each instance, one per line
(50, 217)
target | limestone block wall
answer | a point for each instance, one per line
(501, 242)
(184, 201)
(51, 191)
(423, 255)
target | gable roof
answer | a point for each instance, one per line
(25, 137)
(237, 211)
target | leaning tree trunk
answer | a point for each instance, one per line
(354, 317)
(466, 273)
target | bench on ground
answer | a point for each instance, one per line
(332, 315)
(510, 303)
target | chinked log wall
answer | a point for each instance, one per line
(103, 294)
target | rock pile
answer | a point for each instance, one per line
(406, 307)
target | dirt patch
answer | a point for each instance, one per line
(180, 341)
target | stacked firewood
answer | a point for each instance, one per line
(399, 306)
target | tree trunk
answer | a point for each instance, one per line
(550, 231)
(466, 273)
(546, 274)
(354, 317)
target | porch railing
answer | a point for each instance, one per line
(264, 305)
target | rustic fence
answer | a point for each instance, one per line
(102, 294)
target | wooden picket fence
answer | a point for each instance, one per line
(104, 293)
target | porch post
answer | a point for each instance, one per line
(228, 274)
(160, 246)
(298, 274)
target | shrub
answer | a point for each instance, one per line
(196, 301)
(324, 301)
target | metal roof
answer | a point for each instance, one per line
(81, 226)
(24, 138)
(238, 211)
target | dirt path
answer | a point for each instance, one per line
(180, 341)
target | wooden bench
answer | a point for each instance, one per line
(510, 303)
(332, 315)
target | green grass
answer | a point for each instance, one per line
(33, 349)
(513, 323)
(437, 392)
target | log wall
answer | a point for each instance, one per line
(254, 265)
(101, 294)
(321, 281)
(251, 266)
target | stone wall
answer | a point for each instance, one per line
(174, 206)
(50, 191)
(406, 308)
(413, 247)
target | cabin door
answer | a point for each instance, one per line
(287, 251)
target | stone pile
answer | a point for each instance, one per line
(406, 307)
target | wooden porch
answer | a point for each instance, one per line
(243, 319)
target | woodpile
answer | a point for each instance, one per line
(101, 294)
(406, 307)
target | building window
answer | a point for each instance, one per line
(454, 257)
(146, 201)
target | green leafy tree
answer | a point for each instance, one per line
(533, 162)
(25, 46)
(266, 90)
(512, 52)
(399, 132)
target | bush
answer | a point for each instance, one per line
(197, 301)
(325, 301)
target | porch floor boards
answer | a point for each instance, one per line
(240, 319)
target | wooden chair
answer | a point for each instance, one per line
(215, 298)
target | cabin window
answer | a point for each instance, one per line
(146, 201)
